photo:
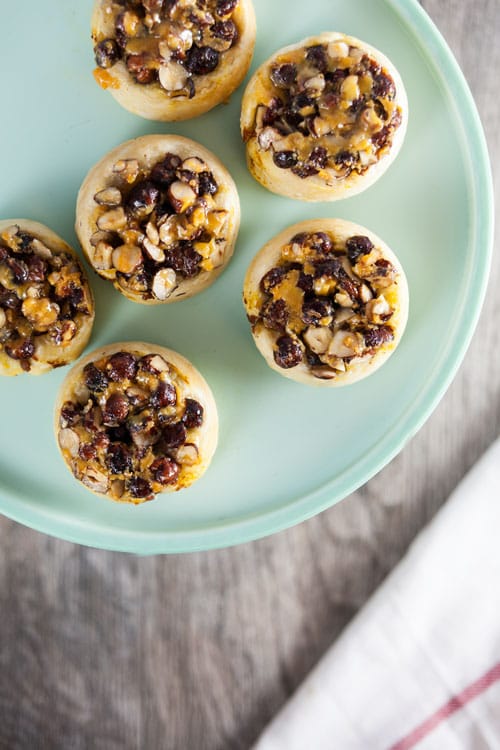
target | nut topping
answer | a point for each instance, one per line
(154, 252)
(42, 313)
(112, 220)
(317, 307)
(44, 299)
(131, 434)
(164, 283)
(172, 76)
(146, 243)
(127, 258)
(170, 43)
(128, 169)
(108, 197)
(69, 441)
(328, 110)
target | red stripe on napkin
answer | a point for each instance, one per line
(449, 708)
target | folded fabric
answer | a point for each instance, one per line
(419, 666)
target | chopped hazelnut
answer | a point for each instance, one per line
(164, 283)
(126, 258)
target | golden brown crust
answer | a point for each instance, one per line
(48, 351)
(271, 255)
(152, 101)
(314, 188)
(148, 150)
(188, 384)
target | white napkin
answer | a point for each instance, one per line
(419, 666)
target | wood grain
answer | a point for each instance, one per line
(105, 651)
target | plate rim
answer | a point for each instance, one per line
(262, 524)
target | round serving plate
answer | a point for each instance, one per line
(286, 451)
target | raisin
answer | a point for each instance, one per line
(225, 30)
(121, 366)
(272, 111)
(321, 242)
(95, 379)
(184, 260)
(357, 246)
(118, 459)
(284, 76)
(285, 159)
(375, 337)
(174, 435)
(101, 440)
(70, 414)
(335, 78)
(300, 239)
(143, 197)
(383, 86)
(331, 268)
(20, 271)
(380, 138)
(207, 184)
(163, 172)
(345, 158)
(116, 410)
(165, 470)
(272, 278)
(37, 268)
(20, 349)
(119, 434)
(275, 315)
(357, 105)
(202, 60)
(317, 56)
(106, 53)
(9, 300)
(288, 352)
(316, 309)
(193, 414)
(137, 66)
(305, 282)
(318, 157)
(300, 102)
(164, 395)
(139, 487)
(74, 294)
(87, 451)
(226, 7)
(304, 170)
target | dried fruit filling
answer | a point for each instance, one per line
(330, 111)
(328, 301)
(156, 227)
(130, 429)
(43, 296)
(169, 42)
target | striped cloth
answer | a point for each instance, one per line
(419, 666)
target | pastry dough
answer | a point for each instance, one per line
(158, 216)
(327, 301)
(46, 304)
(133, 420)
(323, 119)
(172, 60)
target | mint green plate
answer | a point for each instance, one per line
(286, 451)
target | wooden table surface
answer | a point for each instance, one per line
(110, 651)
